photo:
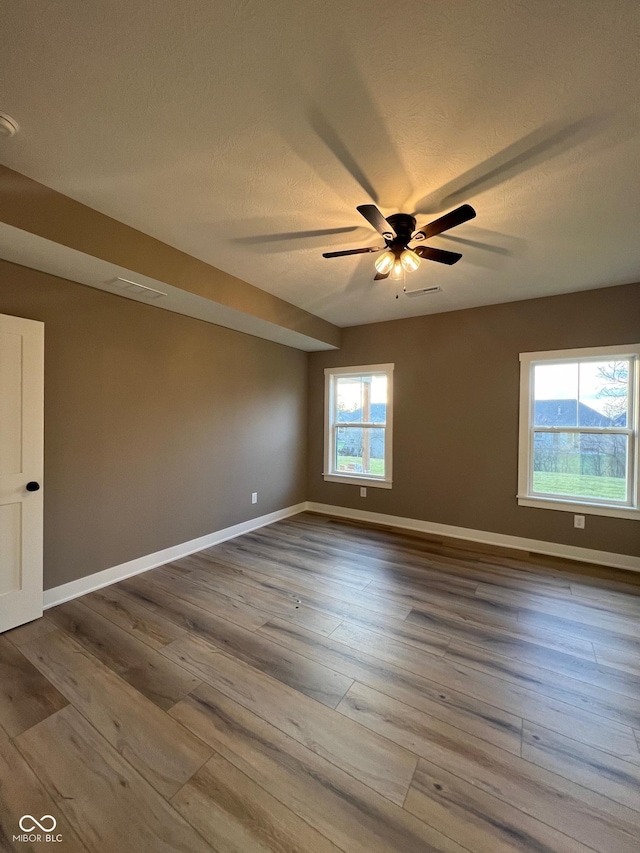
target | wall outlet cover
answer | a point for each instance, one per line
(254, 497)
(578, 521)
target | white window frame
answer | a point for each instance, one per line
(330, 426)
(526, 497)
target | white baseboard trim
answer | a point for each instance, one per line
(82, 586)
(551, 549)
(90, 583)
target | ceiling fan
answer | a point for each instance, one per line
(398, 231)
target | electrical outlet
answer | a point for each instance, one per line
(254, 497)
(363, 491)
(578, 521)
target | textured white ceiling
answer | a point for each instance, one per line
(212, 125)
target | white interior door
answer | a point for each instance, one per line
(21, 465)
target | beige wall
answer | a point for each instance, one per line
(456, 412)
(157, 427)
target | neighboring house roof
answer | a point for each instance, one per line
(556, 413)
(572, 413)
(378, 414)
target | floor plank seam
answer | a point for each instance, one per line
(122, 674)
(257, 784)
(101, 735)
(492, 793)
(433, 681)
(413, 776)
(310, 698)
(90, 604)
(550, 668)
(613, 801)
(268, 615)
(440, 688)
(133, 770)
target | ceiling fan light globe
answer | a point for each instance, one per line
(410, 260)
(384, 262)
(397, 271)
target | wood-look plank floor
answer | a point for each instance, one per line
(320, 686)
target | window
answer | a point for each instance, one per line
(358, 416)
(579, 431)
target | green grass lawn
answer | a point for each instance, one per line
(607, 488)
(376, 465)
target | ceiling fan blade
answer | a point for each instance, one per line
(350, 252)
(438, 255)
(375, 218)
(380, 275)
(456, 217)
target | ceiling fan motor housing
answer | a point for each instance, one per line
(404, 225)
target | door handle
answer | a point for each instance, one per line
(32, 486)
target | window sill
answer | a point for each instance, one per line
(582, 508)
(355, 480)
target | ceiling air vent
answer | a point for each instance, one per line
(422, 291)
(138, 289)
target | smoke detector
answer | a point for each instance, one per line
(8, 126)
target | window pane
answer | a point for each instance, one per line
(360, 450)
(588, 465)
(556, 394)
(349, 398)
(604, 388)
(587, 393)
(361, 399)
(378, 400)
